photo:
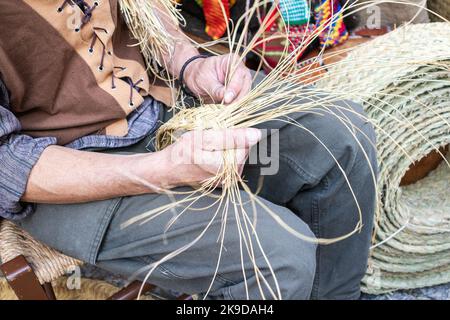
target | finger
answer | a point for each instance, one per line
(218, 92)
(213, 161)
(238, 83)
(246, 86)
(241, 169)
(241, 156)
(227, 138)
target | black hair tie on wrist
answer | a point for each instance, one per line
(183, 68)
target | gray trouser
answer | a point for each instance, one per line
(309, 192)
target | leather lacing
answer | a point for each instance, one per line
(93, 41)
(133, 86)
(84, 6)
(87, 15)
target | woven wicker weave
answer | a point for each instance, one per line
(47, 263)
(411, 247)
(90, 289)
(441, 7)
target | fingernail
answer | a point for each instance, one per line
(229, 96)
(253, 136)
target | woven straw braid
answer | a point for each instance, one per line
(48, 264)
(413, 222)
(90, 289)
(441, 7)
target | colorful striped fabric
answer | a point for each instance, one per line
(330, 23)
(295, 12)
(275, 49)
(216, 20)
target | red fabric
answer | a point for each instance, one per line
(272, 50)
(216, 23)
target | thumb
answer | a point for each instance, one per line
(228, 96)
(223, 94)
(218, 94)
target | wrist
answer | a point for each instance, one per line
(190, 73)
(150, 173)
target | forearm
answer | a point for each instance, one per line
(183, 47)
(63, 175)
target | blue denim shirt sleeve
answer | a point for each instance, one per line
(18, 154)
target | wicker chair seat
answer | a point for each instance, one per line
(47, 263)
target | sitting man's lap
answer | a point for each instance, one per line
(309, 192)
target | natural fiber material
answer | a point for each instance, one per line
(330, 23)
(89, 290)
(145, 21)
(409, 104)
(48, 264)
(441, 7)
(420, 255)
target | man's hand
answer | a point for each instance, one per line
(206, 78)
(198, 155)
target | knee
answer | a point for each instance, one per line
(293, 260)
(357, 158)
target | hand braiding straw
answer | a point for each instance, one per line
(281, 86)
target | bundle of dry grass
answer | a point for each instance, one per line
(145, 21)
(286, 87)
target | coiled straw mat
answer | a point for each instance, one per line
(404, 78)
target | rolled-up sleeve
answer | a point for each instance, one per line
(18, 154)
